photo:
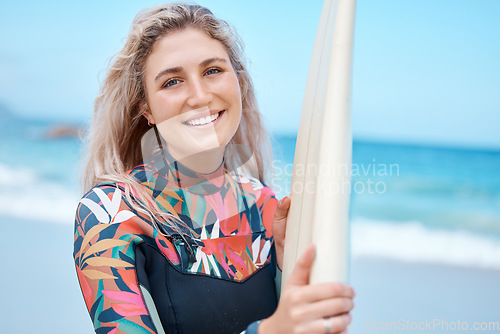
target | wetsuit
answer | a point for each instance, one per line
(213, 273)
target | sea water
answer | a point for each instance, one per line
(408, 202)
(417, 203)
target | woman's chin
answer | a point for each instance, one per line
(193, 148)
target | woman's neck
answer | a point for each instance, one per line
(203, 162)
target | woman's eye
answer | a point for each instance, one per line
(170, 83)
(213, 71)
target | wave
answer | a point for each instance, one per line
(24, 194)
(412, 242)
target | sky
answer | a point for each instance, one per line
(425, 71)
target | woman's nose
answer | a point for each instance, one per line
(199, 95)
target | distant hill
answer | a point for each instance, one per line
(13, 124)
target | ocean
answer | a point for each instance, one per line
(408, 202)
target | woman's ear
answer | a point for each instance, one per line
(146, 112)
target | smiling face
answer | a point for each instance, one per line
(193, 94)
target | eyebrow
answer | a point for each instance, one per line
(179, 69)
(168, 71)
(212, 60)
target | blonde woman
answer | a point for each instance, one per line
(177, 232)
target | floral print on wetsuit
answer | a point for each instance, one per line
(224, 231)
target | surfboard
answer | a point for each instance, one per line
(320, 187)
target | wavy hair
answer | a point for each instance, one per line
(118, 125)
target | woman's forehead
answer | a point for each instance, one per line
(187, 44)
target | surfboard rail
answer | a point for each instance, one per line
(320, 187)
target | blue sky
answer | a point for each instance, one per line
(425, 71)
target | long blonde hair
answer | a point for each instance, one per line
(114, 139)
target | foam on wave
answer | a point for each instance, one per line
(412, 242)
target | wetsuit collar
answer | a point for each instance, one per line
(175, 175)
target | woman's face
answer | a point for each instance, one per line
(193, 94)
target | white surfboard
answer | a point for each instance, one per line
(320, 188)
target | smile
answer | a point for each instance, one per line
(203, 120)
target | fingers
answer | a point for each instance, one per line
(279, 221)
(301, 273)
(320, 301)
(323, 309)
(339, 323)
(316, 308)
(326, 290)
(279, 228)
(333, 325)
(282, 209)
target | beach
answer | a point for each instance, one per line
(41, 293)
(425, 239)
(40, 288)
(401, 297)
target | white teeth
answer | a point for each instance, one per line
(203, 120)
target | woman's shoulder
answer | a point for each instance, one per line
(105, 203)
(103, 214)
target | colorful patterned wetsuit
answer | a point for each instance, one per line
(216, 276)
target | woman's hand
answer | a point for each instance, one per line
(279, 228)
(315, 308)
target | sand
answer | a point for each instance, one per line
(423, 298)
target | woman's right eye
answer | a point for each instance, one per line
(170, 83)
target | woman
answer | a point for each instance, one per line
(175, 232)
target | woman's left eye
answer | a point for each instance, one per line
(212, 71)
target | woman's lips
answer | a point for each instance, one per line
(204, 121)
